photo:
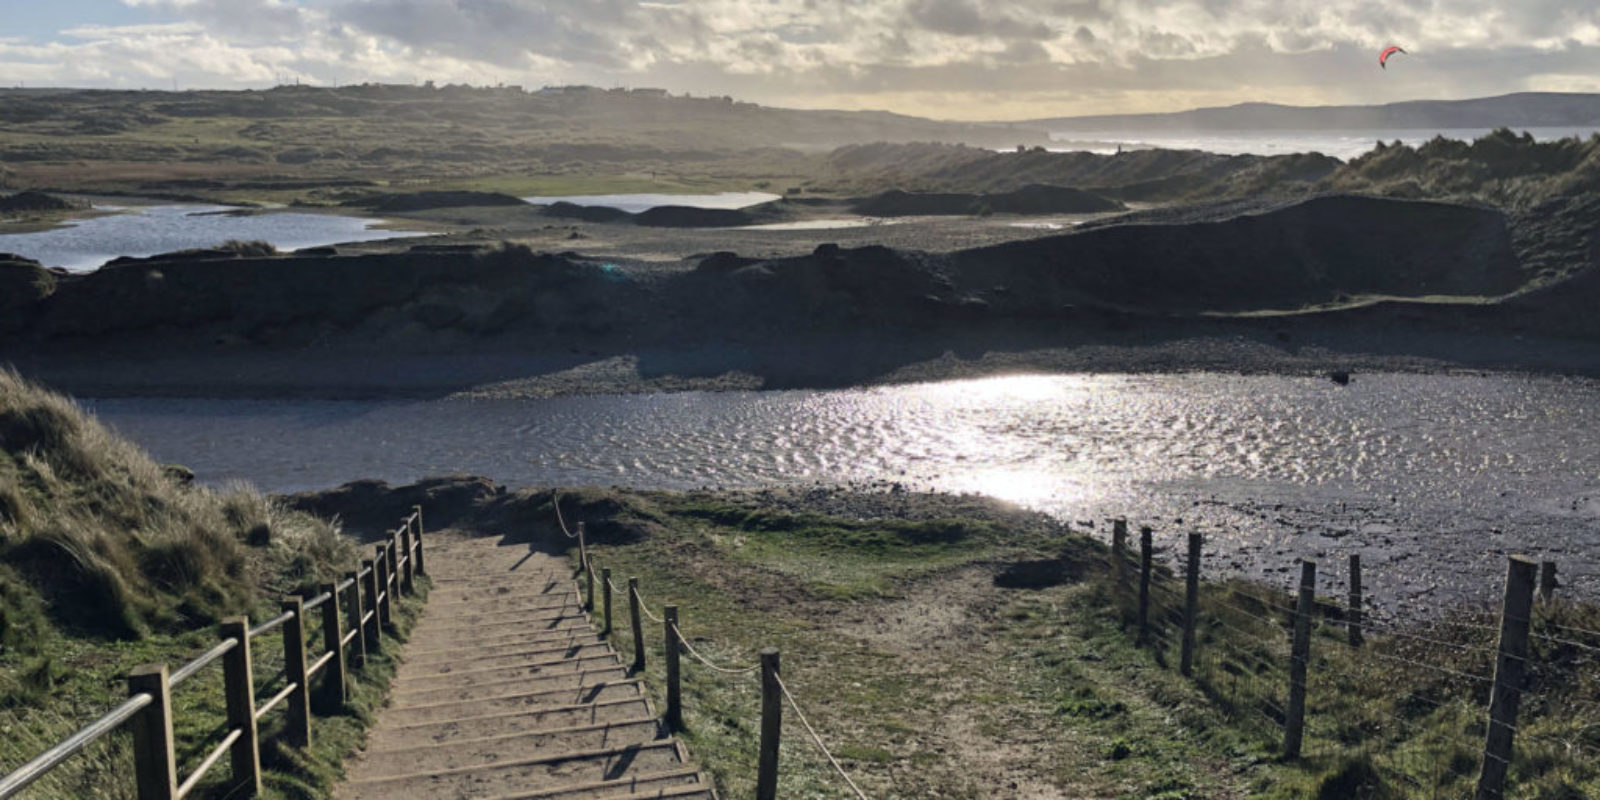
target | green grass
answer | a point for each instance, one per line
(108, 561)
(925, 682)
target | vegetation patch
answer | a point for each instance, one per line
(109, 560)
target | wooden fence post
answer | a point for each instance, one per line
(298, 731)
(408, 554)
(154, 763)
(334, 691)
(1509, 669)
(605, 589)
(359, 643)
(369, 628)
(771, 726)
(638, 625)
(239, 689)
(1146, 556)
(1547, 581)
(1294, 723)
(384, 597)
(417, 511)
(1356, 602)
(1119, 551)
(1191, 605)
(392, 571)
(669, 627)
(583, 548)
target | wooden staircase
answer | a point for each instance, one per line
(506, 691)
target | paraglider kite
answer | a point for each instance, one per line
(1383, 57)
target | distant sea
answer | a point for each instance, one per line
(1341, 144)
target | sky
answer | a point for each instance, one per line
(950, 59)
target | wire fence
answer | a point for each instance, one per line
(765, 781)
(1415, 700)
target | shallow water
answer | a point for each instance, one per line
(635, 203)
(1431, 478)
(85, 244)
(1342, 144)
(819, 224)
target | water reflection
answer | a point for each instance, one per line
(1461, 468)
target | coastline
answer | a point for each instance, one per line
(503, 371)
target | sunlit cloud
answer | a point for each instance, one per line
(950, 58)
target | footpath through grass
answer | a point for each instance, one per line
(950, 647)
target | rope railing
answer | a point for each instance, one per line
(674, 638)
(800, 715)
(367, 614)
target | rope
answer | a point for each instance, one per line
(645, 607)
(555, 500)
(702, 659)
(818, 739)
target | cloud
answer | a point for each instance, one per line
(946, 57)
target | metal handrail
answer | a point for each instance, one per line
(276, 699)
(29, 773)
(198, 664)
(317, 666)
(267, 626)
(318, 600)
(32, 771)
(206, 765)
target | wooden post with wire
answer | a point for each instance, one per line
(1356, 603)
(239, 692)
(605, 589)
(155, 764)
(408, 561)
(1119, 551)
(334, 691)
(370, 627)
(1294, 723)
(417, 511)
(669, 629)
(583, 548)
(1146, 556)
(359, 643)
(1511, 664)
(771, 726)
(1547, 581)
(384, 597)
(638, 625)
(1191, 604)
(392, 572)
(298, 730)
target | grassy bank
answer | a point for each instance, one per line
(953, 647)
(109, 560)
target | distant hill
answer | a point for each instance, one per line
(1520, 110)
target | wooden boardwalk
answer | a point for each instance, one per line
(507, 691)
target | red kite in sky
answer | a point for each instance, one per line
(1383, 57)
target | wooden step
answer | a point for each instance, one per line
(540, 772)
(465, 752)
(398, 735)
(468, 652)
(471, 676)
(534, 655)
(469, 622)
(416, 647)
(481, 689)
(682, 783)
(518, 702)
